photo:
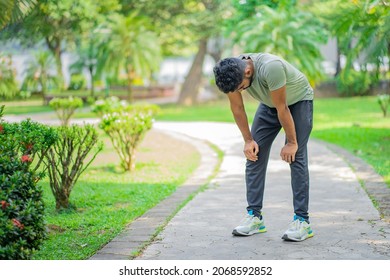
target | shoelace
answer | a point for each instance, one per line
(247, 220)
(296, 225)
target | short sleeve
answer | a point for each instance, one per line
(274, 75)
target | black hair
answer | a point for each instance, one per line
(229, 73)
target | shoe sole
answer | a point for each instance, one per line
(238, 233)
(286, 238)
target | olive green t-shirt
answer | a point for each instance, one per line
(271, 73)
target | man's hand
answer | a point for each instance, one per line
(288, 152)
(251, 149)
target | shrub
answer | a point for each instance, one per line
(68, 158)
(108, 105)
(384, 100)
(65, 108)
(22, 228)
(126, 129)
(77, 81)
(353, 83)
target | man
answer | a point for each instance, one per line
(286, 101)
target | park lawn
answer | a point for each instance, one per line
(106, 199)
(356, 124)
(30, 106)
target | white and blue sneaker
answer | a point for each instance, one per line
(298, 230)
(249, 226)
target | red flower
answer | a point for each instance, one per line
(1, 128)
(26, 158)
(18, 224)
(4, 204)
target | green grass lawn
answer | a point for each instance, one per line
(25, 107)
(106, 199)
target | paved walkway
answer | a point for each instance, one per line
(344, 220)
(346, 224)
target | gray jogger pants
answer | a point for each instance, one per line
(265, 128)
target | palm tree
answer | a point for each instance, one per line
(131, 47)
(14, 10)
(362, 27)
(88, 58)
(38, 76)
(288, 32)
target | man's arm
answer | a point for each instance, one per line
(237, 107)
(286, 120)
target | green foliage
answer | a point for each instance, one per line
(353, 83)
(286, 31)
(13, 11)
(8, 85)
(22, 227)
(180, 24)
(32, 139)
(131, 47)
(383, 101)
(68, 158)
(65, 107)
(361, 26)
(108, 105)
(77, 81)
(126, 129)
(38, 74)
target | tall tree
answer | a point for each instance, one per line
(286, 31)
(132, 47)
(90, 44)
(56, 22)
(204, 22)
(38, 75)
(185, 27)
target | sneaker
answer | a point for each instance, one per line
(249, 226)
(298, 230)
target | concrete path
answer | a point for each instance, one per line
(345, 222)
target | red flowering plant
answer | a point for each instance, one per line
(22, 227)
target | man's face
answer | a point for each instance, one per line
(246, 83)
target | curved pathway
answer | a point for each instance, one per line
(346, 224)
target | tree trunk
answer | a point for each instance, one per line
(190, 89)
(92, 81)
(129, 84)
(338, 63)
(62, 201)
(54, 46)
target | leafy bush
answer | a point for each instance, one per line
(108, 105)
(126, 129)
(67, 159)
(77, 81)
(65, 107)
(353, 83)
(22, 228)
(32, 139)
(384, 100)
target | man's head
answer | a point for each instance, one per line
(230, 73)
